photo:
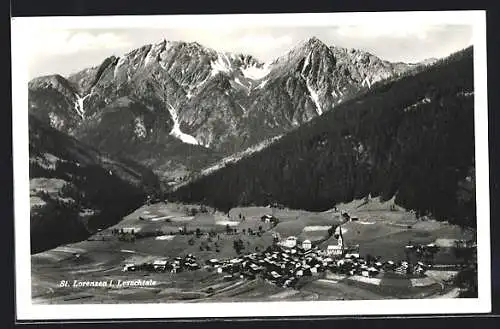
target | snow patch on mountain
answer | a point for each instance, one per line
(256, 73)
(262, 84)
(315, 98)
(313, 94)
(119, 64)
(149, 57)
(153, 53)
(306, 62)
(221, 64)
(79, 105)
(366, 83)
(176, 130)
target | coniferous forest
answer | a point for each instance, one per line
(411, 138)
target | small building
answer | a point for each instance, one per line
(130, 229)
(159, 265)
(290, 242)
(334, 250)
(352, 255)
(229, 277)
(267, 218)
(306, 245)
(275, 276)
(128, 267)
(372, 271)
(212, 262)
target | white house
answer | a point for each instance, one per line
(159, 264)
(290, 242)
(128, 267)
(306, 245)
(334, 250)
(267, 218)
(352, 255)
(130, 229)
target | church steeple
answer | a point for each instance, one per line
(340, 241)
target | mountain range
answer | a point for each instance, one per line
(178, 107)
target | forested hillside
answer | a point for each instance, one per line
(412, 138)
(76, 190)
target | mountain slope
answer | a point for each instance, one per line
(75, 190)
(412, 138)
(53, 100)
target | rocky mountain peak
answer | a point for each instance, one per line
(54, 81)
(311, 45)
(313, 42)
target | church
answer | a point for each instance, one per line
(338, 249)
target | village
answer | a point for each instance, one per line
(289, 261)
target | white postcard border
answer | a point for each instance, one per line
(28, 311)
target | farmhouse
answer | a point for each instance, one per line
(267, 218)
(130, 229)
(290, 242)
(306, 244)
(351, 255)
(159, 265)
(128, 267)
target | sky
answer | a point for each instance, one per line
(65, 51)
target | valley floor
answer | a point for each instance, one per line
(379, 230)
